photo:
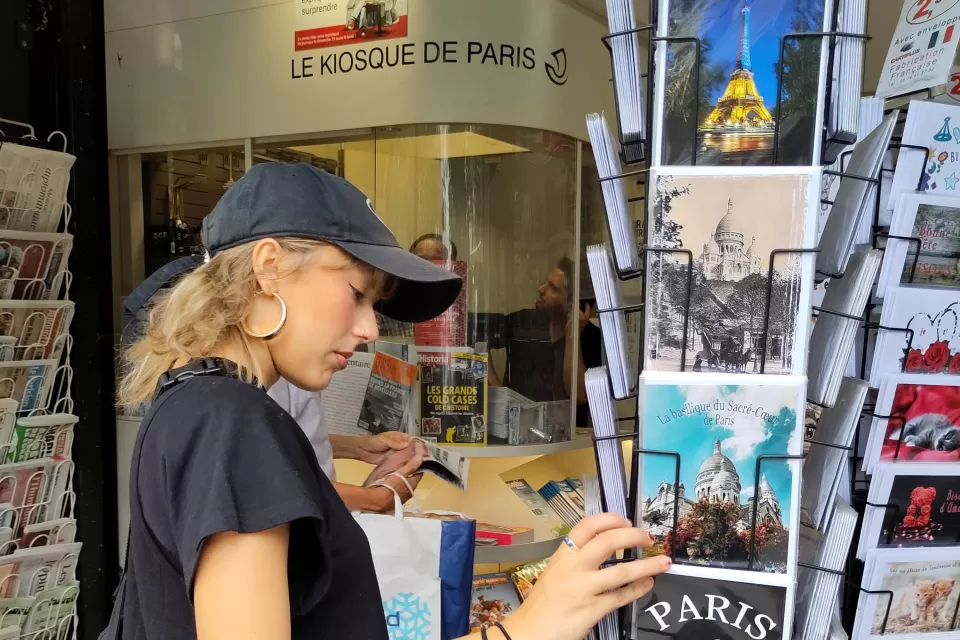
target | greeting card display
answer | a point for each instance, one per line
(936, 127)
(935, 221)
(924, 507)
(721, 426)
(925, 585)
(733, 115)
(731, 221)
(695, 603)
(934, 317)
(924, 422)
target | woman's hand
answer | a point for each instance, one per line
(373, 449)
(574, 593)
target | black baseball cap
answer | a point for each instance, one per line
(275, 200)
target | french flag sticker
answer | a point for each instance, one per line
(947, 36)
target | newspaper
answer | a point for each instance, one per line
(32, 330)
(445, 463)
(27, 572)
(34, 180)
(32, 265)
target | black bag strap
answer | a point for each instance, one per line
(167, 381)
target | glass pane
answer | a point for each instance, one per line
(499, 204)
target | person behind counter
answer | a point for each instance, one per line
(236, 533)
(544, 372)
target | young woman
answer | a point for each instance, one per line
(236, 533)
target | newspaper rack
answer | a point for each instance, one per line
(37, 430)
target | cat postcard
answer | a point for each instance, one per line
(724, 493)
(926, 586)
(923, 507)
(923, 423)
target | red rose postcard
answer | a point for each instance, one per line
(924, 336)
(918, 420)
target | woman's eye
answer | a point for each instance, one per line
(357, 294)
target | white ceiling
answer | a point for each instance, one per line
(599, 7)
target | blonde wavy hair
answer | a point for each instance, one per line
(203, 310)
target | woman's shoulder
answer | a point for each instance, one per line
(217, 411)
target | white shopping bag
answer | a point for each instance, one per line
(406, 556)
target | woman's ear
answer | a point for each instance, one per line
(267, 258)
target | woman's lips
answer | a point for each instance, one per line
(342, 358)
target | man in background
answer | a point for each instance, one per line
(544, 372)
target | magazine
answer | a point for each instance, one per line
(453, 397)
(442, 462)
(449, 329)
(387, 395)
(495, 598)
(372, 395)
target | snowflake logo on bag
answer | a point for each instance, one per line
(408, 618)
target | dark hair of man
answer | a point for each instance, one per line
(438, 238)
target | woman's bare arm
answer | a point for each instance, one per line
(241, 591)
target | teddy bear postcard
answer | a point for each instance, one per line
(921, 507)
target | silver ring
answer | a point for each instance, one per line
(570, 543)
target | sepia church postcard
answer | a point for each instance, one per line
(744, 308)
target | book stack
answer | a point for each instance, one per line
(565, 497)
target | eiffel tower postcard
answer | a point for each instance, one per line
(734, 116)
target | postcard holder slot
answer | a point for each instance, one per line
(886, 614)
(833, 35)
(903, 424)
(751, 552)
(627, 309)
(640, 150)
(886, 508)
(686, 303)
(634, 150)
(909, 240)
(767, 302)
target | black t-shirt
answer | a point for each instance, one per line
(591, 343)
(216, 454)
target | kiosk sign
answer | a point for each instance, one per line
(330, 23)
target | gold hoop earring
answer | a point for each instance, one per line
(273, 332)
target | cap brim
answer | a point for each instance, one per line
(423, 290)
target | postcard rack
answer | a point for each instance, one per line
(37, 429)
(636, 155)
